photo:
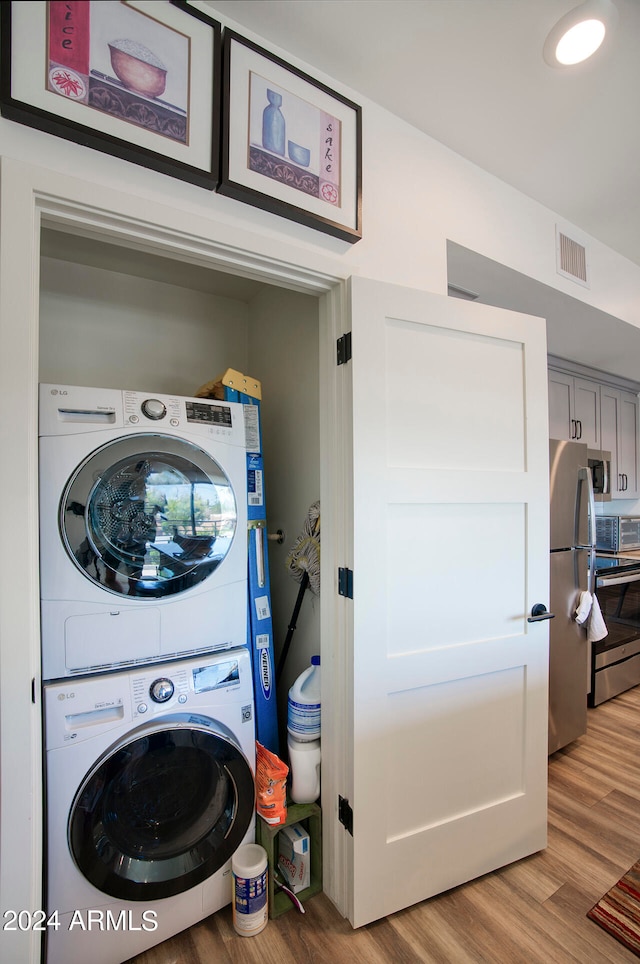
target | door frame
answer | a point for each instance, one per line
(31, 198)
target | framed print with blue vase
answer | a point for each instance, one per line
(290, 144)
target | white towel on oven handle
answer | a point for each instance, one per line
(596, 627)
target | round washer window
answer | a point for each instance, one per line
(161, 812)
(148, 516)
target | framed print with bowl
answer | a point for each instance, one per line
(136, 79)
(290, 144)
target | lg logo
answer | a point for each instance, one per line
(58, 391)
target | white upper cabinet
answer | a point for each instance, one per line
(574, 409)
(628, 445)
(603, 416)
(620, 437)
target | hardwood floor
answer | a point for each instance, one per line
(533, 911)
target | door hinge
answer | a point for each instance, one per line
(345, 583)
(345, 814)
(344, 348)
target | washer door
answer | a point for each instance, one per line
(161, 811)
(148, 516)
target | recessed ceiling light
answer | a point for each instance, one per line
(578, 34)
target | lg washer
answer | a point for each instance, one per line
(150, 790)
(143, 535)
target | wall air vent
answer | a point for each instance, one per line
(571, 258)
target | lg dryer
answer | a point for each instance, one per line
(149, 791)
(143, 535)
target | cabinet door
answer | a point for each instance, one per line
(628, 444)
(609, 417)
(619, 429)
(574, 409)
(586, 411)
(561, 421)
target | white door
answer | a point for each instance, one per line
(451, 537)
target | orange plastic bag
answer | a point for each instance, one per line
(271, 786)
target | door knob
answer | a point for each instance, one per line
(538, 613)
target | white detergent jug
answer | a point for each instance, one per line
(303, 706)
(304, 764)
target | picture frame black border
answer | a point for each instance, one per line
(230, 188)
(32, 116)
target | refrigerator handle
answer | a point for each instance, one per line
(584, 475)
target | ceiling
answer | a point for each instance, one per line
(470, 73)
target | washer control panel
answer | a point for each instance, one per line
(77, 710)
(160, 687)
(139, 408)
(161, 690)
(152, 691)
(154, 408)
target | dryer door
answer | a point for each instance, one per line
(162, 810)
(148, 515)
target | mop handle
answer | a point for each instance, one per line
(292, 625)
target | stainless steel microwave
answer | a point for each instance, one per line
(600, 467)
(614, 533)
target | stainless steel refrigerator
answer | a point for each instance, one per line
(571, 508)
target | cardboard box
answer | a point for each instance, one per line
(294, 857)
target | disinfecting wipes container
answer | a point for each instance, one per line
(250, 905)
(303, 705)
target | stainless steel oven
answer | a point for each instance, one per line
(615, 660)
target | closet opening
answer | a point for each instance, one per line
(112, 316)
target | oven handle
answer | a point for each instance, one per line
(618, 580)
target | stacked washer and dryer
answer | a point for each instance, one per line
(147, 684)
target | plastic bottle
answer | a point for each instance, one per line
(303, 706)
(304, 765)
(250, 891)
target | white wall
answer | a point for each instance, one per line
(113, 330)
(283, 354)
(629, 507)
(416, 194)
